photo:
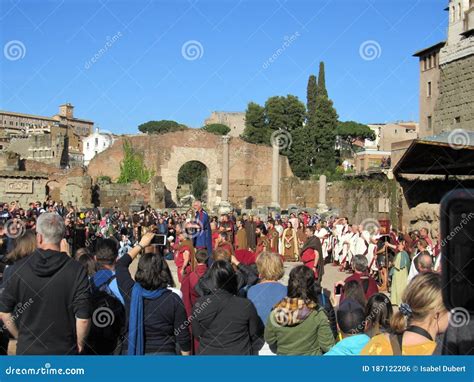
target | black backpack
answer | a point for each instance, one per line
(108, 321)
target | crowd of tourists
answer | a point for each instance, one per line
(70, 285)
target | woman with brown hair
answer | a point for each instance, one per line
(23, 246)
(420, 318)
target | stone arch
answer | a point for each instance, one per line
(51, 188)
(180, 156)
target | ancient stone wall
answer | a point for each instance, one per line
(22, 186)
(249, 165)
(456, 96)
(304, 193)
(123, 195)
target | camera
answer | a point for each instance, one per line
(159, 239)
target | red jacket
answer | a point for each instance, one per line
(372, 287)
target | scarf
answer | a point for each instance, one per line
(292, 311)
(135, 325)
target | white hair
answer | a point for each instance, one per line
(51, 226)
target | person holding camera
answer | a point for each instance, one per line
(155, 314)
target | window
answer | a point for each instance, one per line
(96, 141)
(429, 62)
(87, 144)
(428, 89)
(429, 122)
(424, 63)
(457, 119)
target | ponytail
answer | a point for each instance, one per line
(398, 322)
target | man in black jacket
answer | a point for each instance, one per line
(45, 303)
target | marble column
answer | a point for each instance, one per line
(275, 176)
(322, 189)
(225, 168)
(224, 206)
(322, 207)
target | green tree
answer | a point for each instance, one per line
(256, 129)
(300, 153)
(284, 113)
(195, 174)
(132, 166)
(323, 129)
(349, 132)
(322, 81)
(190, 171)
(311, 92)
(161, 127)
(217, 128)
(198, 187)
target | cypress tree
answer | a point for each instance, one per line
(311, 93)
(322, 81)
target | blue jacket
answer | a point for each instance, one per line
(352, 345)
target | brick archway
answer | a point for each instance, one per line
(208, 157)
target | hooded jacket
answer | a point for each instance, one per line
(45, 294)
(295, 327)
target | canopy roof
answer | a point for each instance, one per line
(449, 153)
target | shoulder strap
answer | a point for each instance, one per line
(420, 331)
(396, 343)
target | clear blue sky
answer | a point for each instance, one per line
(145, 74)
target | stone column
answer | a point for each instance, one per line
(275, 176)
(322, 189)
(225, 168)
(224, 205)
(322, 193)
